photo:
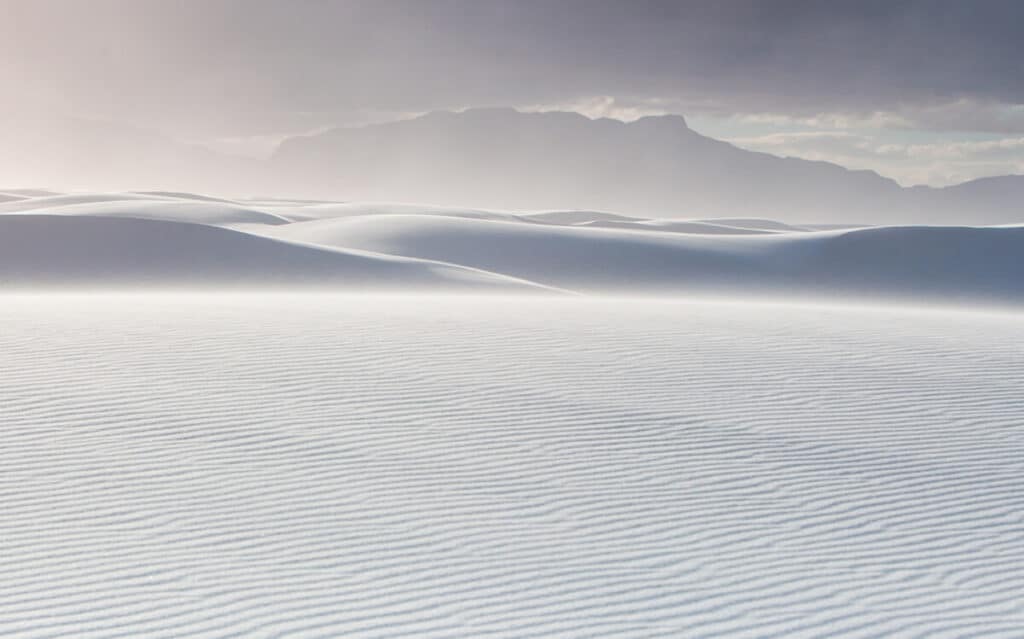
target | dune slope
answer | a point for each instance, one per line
(937, 263)
(70, 251)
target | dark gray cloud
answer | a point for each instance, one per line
(241, 67)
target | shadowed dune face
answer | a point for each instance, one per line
(954, 262)
(910, 262)
(588, 258)
(39, 250)
(186, 239)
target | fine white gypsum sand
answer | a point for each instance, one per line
(341, 466)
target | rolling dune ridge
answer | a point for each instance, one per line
(182, 240)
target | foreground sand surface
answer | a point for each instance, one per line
(324, 465)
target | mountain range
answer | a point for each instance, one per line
(502, 158)
(656, 166)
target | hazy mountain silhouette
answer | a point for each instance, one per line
(653, 166)
(501, 158)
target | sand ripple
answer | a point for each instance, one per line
(331, 466)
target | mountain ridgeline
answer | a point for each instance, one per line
(654, 166)
(504, 159)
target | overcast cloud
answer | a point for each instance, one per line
(224, 71)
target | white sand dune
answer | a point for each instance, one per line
(180, 195)
(755, 224)
(673, 226)
(600, 219)
(330, 466)
(195, 211)
(332, 210)
(48, 201)
(943, 263)
(577, 250)
(174, 207)
(99, 252)
(580, 217)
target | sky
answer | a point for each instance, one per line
(924, 91)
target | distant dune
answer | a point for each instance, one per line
(184, 239)
(142, 206)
